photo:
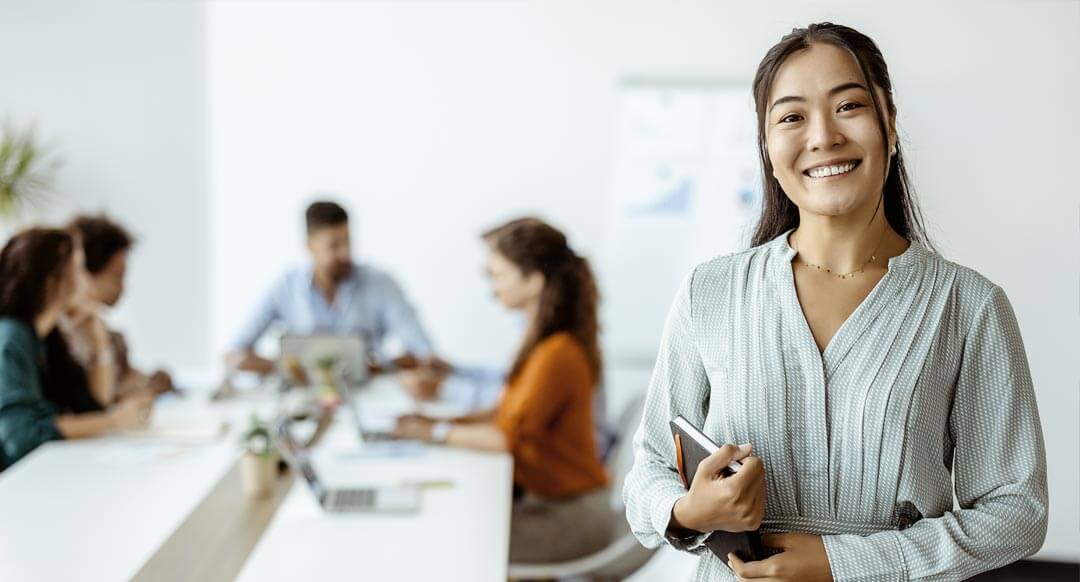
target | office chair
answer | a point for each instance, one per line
(624, 554)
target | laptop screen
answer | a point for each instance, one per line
(298, 459)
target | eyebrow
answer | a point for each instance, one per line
(833, 91)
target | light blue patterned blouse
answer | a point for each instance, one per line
(926, 382)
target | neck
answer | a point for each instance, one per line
(45, 322)
(532, 312)
(842, 243)
(325, 282)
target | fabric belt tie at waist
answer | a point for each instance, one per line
(827, 526)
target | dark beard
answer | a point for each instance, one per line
(341, 272)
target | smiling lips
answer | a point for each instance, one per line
(835, 169)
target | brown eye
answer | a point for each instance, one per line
(792, 118)
(849, 107)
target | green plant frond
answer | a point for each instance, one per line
(27, 170)
(27, 156)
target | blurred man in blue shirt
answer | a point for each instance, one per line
(333, 294)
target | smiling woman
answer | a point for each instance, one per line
(812, 90)
(873, 378)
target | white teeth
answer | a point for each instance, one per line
(826, 171)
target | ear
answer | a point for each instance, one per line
(893, 139)
(535, 282)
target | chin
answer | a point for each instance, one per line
(341, 272)
(831, 203)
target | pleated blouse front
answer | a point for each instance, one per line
(926, 379)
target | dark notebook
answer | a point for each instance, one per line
(691, 447)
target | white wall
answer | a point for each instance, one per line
(119, 88)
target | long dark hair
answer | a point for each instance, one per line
(778, 213)
(30, 261)
(570, 297)
(64, 381)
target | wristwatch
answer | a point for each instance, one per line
(439, 431)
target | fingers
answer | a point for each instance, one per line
(402, 426)
(143, 399)
(411, 427)
(406, 362)
(752, 570)
(736, 565)
(715, 463)
(752, 473)
(435, 364)
(748, 570)
(79, 314)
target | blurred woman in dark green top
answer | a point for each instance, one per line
(40, 274)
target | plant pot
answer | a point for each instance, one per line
(259, 473)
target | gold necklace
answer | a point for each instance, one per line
(872, 258)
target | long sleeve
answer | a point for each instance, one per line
(999, 471)
(679, 385)
(266, 313)
(474, 387)
(26, 419)
(401, 320)
(543, 389)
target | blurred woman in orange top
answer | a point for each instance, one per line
(544, 417)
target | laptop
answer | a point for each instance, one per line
(344, 355)
(364, 435)
(301, 355)
(401, 499)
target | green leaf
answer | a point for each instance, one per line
(26, 170)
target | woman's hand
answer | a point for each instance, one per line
(414, 427)
(131, 412)
(86, 313)
(423, 378)
(803, 559)
(714, 502)
(160, 382)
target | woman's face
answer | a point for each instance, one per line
(822, 133)
(108, 285)
(512, 287)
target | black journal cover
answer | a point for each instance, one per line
(691, 447)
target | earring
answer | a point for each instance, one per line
(892, 150)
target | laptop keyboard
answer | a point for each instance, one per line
(353, 498)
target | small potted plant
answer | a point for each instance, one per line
(327, 372)
(259, 464)
(326, 368)
(27, 173)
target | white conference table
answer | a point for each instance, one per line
(101, 509)
(461, 532)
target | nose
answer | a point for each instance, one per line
(823, 134)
